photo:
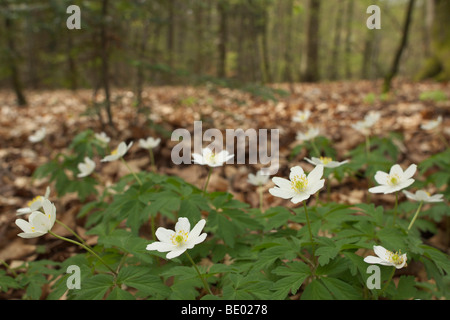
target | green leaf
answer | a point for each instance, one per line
(95, 287)
(141, 279)
(120, 294)
(340, 289)
(316, 291)
(406, 288)
(294, 274)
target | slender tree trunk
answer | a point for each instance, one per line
(73, 72)
(288, 49)
(396, 63)
(170, 47)
(348, 39)
(140, 74)
(199, 27)
(334, 61)
(312, 45)
(13, 63)
(264, 16)
(105, 63)
(222, 8)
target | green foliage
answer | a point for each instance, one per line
(251, 254)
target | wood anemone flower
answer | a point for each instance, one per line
(395, 180)
(118, 153)
(86, 167)
(39, 223)
(209, 158)
(387, 258)
(178, 241)
(299, 187)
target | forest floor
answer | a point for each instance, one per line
(334, 106)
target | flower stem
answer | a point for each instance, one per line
(3, 262)
(152, 159)
(389, 281)
(315, 148)
(395, 208)
(207, 180)
(415, 215)
(260, 191)
(309, 229)
(367, 147)
(134, 174)
(205, 284)
(85, 248)
(72, 232)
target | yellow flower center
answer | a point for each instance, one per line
(38, 198)
(114, 152)
(325, 160)
(395, 257)
(211, 158)
(179, 238)
(299, 183)
(393, 179)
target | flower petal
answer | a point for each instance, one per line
(175, 253)
(164, 235)
(409, 173)
(161, 246)
(381, 189)
(296, 171)
(182, 225)
(381, 177)
(195, 232)
(315, 175)
(282, 183)
(282, 193)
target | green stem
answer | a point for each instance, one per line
(395, 208)
(315, 148)
(85, 248)
(415, 215)
(152, 159)
(207, 180)
(309, 229)
(134, 174)
(367, 147)
(205, 284)
(9, 268)
(260, 190)
(72, 232)
(389, 281)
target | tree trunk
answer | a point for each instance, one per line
(12, 55)
(334, 61)
(312, 50)
(222, 8)
(348, 40)
(396, 63)
(105, 63)
(288, 49)
(170, 47)
(438, 65)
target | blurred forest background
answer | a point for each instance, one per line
(230, 43)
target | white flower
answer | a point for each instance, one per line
(423, 196)
(149, 143)
(299, 187)
(309, 135)
(86, 167)
(178, 241)
(35, 204)
(395, 180)
(369, 120)
(103, 138)
(38, 223)
(118, 153)
(37, 136)
(259, 179)
(326, 162)
(301, 116)
(387, 258)
(208, 157)
(430, 125)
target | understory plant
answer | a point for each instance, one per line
(310, 247)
